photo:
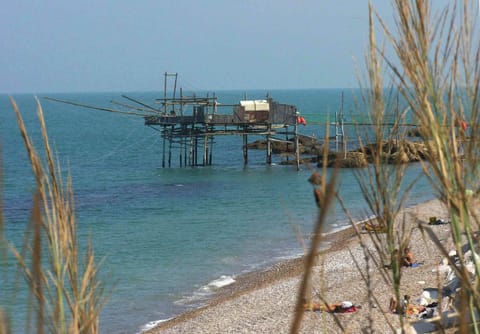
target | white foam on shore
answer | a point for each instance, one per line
(289, 257)
(152, 324)
(203, 293)
(342, 227)
(220, 282)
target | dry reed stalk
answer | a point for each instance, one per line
(2, 239)
(4, 321)
(68, 296)
(327, 192)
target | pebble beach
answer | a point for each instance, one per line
(264, 302)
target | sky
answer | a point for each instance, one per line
(52, 46)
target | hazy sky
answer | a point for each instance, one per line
(118, 45)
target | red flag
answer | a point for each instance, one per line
(301, 120)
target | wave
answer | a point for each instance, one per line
(152, 324)
(220, 282)
(199, 297)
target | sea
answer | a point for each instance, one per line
(168, 238)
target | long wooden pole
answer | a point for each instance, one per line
(344, 140)
(88, 106)
(165, 93)
(140, 103)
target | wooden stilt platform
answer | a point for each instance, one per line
(189, 124)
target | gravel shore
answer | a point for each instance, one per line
(264, 302)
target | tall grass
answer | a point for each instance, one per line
(382, 183)
(436, 69)
(4, 321)
(432, 60)
(66, 294)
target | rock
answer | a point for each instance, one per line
(390, 152)
(396, 152)
(348, 160)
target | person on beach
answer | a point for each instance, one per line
(343, 307)
(405, 307)
(394, 307)
(405, 260)
(408, 259)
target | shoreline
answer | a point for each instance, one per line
(349, 271)
(247, 283)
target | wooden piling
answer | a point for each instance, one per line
(190, 156)
(185, 149)
(205, 150)
(170, 139)
(164, 134)
(297, 149)
(245, 147)
(195, 151)
(211, 150)
(269, 146)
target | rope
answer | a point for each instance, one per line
(122, 146)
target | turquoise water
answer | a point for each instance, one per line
(169, 235)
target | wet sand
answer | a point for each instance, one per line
(264, 301)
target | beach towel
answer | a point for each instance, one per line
(429, 297)
(344, 307)
(415, 265)
(347, 310)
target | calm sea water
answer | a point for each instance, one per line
(169, 236)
